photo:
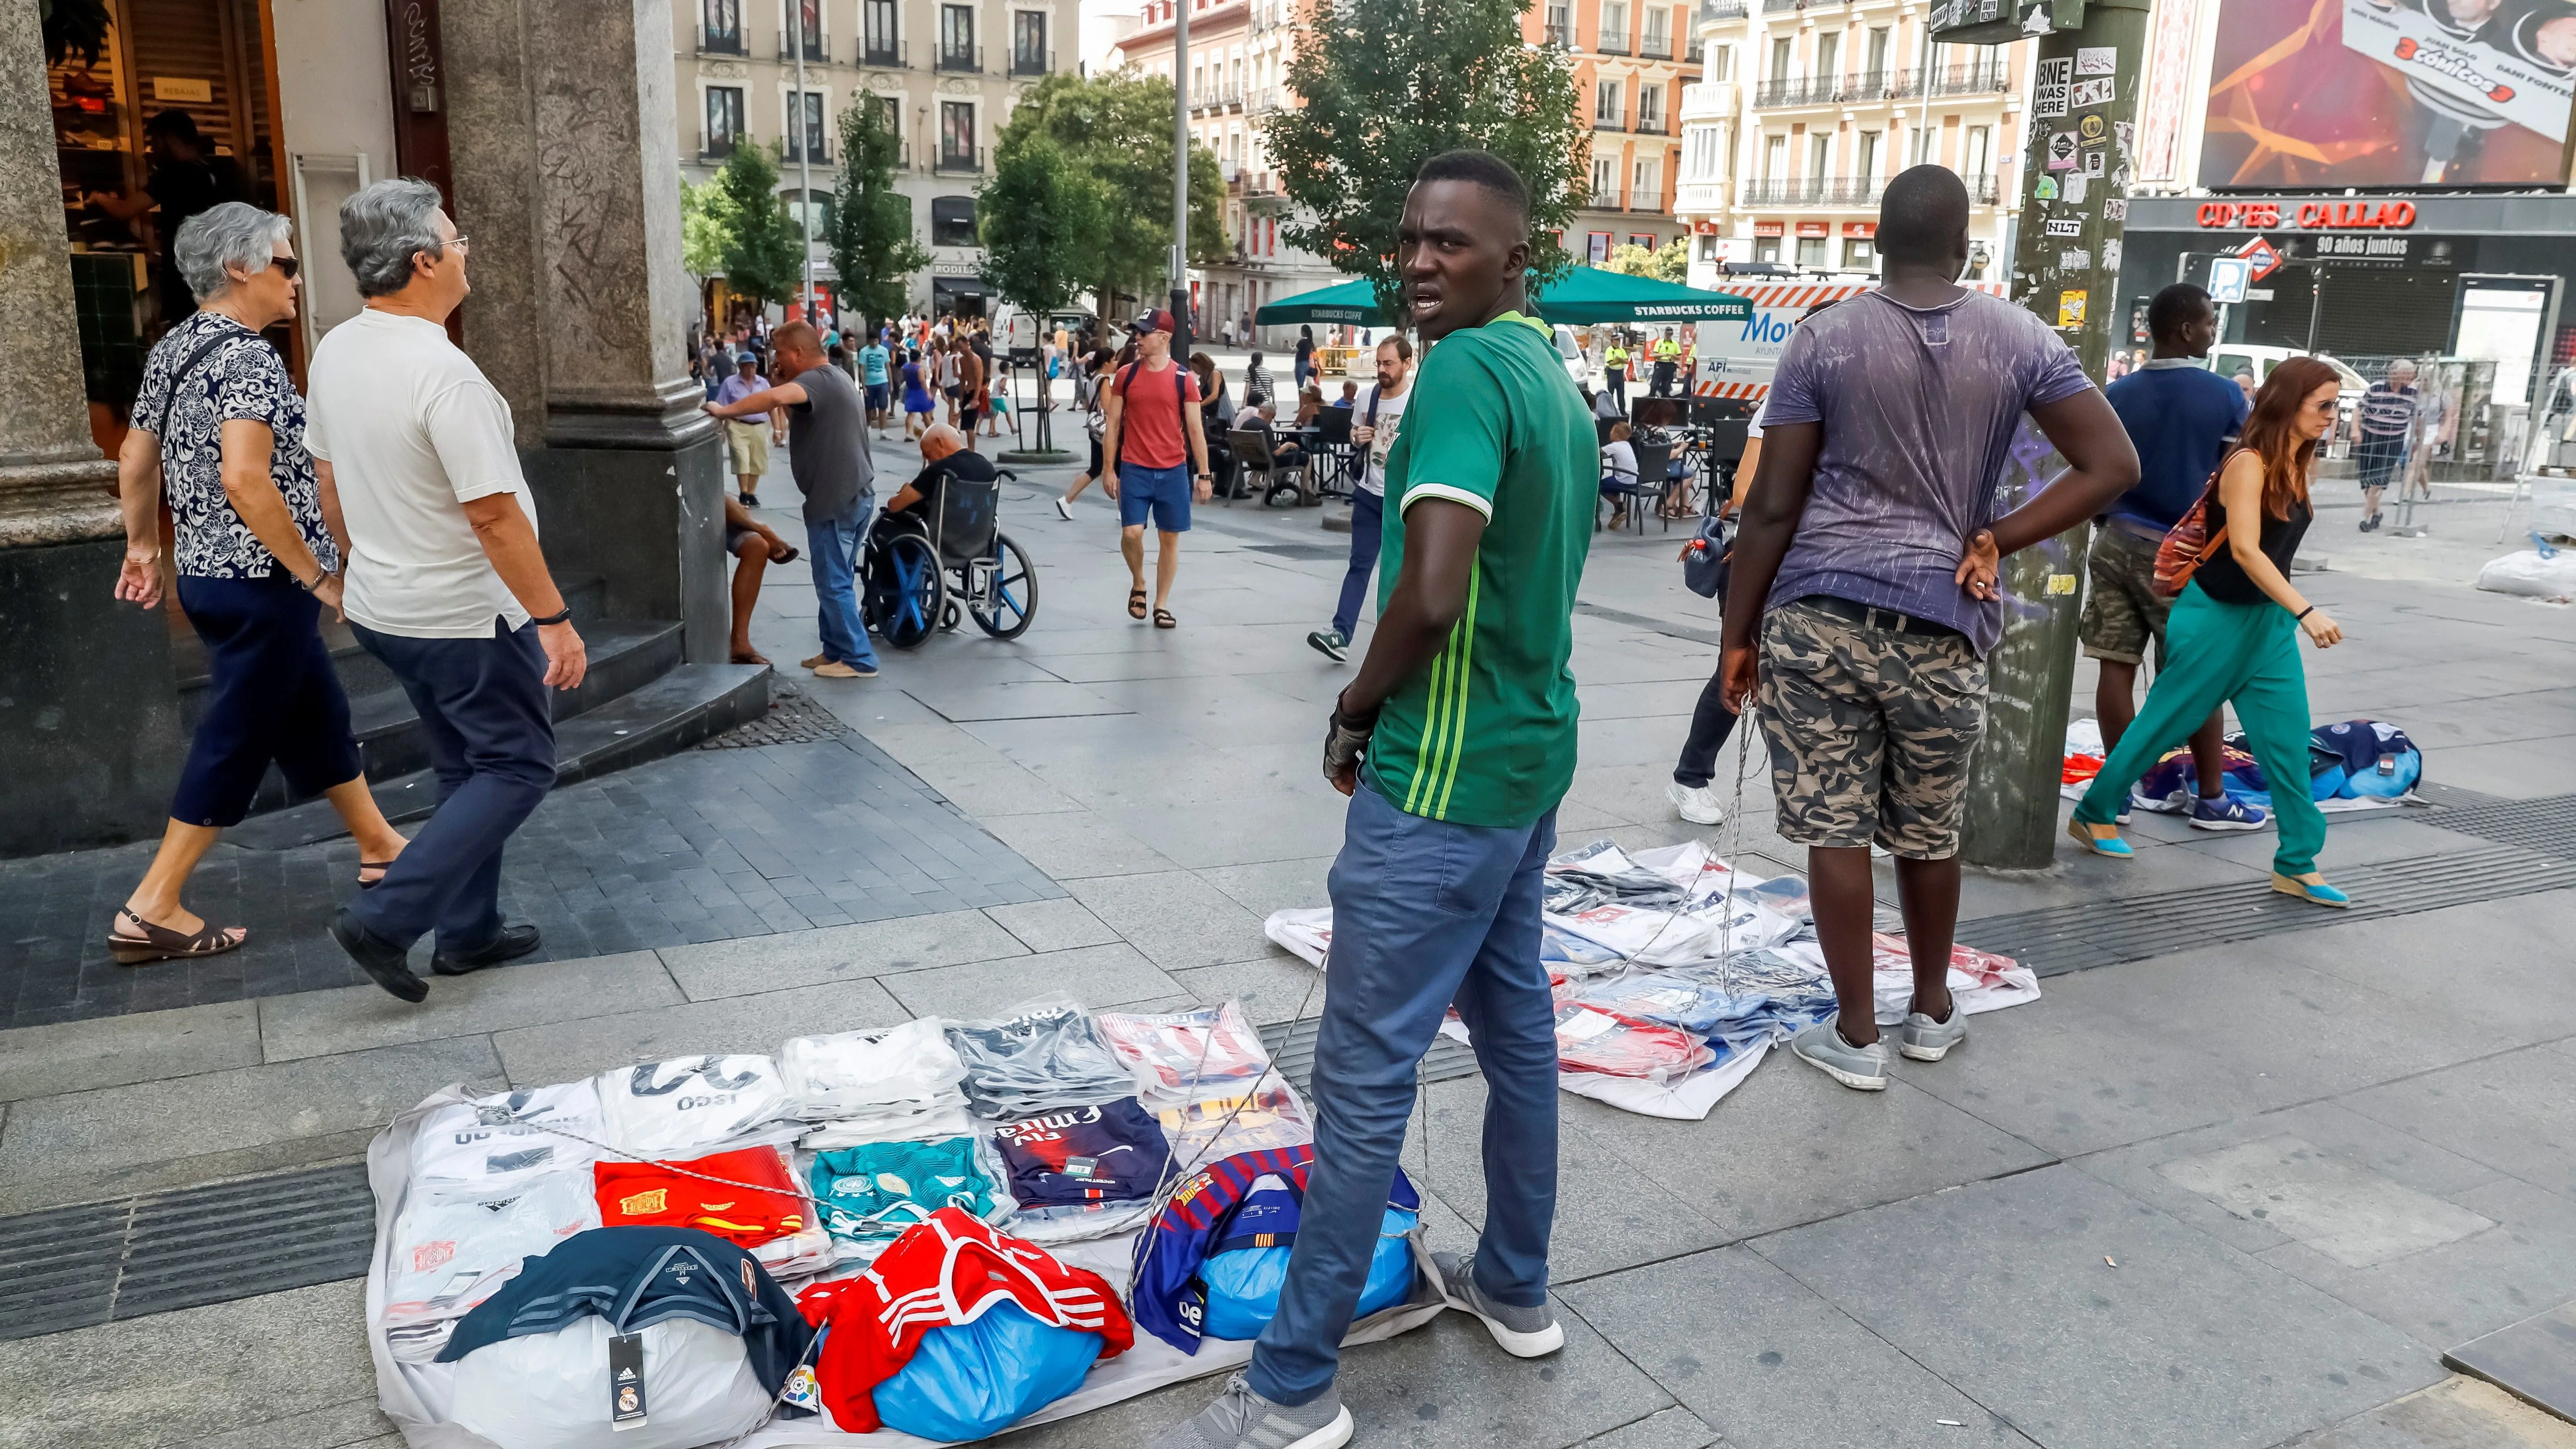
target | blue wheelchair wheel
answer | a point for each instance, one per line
(1008, 597)
(915, 595)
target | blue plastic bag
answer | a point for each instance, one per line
(1243, 1286)
(978, 1379)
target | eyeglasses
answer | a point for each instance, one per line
(458, 242)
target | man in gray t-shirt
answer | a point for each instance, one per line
(1864, 598)
(827, 454)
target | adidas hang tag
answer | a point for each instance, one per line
(626, 1381)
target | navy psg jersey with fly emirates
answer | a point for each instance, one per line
(1099, 1152)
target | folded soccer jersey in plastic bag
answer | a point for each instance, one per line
(872, 1193)
(1979, 980)
(719, 1339)
(1175, 1056)
(1599, 872)
(690, 1104)
(1592, 1040)
(1729, 1024)
(1045, 1054)
(1094, 1152)
(489, 1147)
(450, 1254)
(898, 1072)
(756, 1200)
(1235, 1117)
(948, 1272)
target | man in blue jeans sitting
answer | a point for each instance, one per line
(1152, 438)
(1455, 741)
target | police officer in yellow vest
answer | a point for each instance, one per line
(1668, 355)
(1614, 371)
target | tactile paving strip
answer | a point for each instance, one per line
(2108, 930)
(78, 1266)
(1292, 1050)
(2546, 826)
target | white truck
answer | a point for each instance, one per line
(1736, 358)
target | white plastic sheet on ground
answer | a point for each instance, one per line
(1646, 936)
(2528, 575)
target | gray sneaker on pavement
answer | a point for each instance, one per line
(1924, 1040)
(1523, 1332)
(1242, 1419)
(1861, 1068)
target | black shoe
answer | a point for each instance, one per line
(751, 500)
(379, 958)
(513, 943)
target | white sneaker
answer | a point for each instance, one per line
(1695, 803)
(1063, 509)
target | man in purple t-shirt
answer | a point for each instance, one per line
(1864, 599)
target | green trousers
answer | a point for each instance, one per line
(2247, 655)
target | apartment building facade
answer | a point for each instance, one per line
(1239, 56)
(945, 74)
(1631, 59)
(1805, 109)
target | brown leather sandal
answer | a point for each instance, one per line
(159, 943)
(1163, 619)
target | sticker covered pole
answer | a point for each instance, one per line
(2078, 165)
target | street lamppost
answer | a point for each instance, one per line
(805, 161)
(1181, 181)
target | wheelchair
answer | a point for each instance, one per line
(920, 576)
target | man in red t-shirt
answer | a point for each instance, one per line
(1152, 440)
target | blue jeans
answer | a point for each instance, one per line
(484, 707)
(1426, 913)
(834, 549)
(1368, 518)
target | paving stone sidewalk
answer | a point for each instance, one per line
(2237, 1195)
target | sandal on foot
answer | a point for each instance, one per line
(2311, 888)
(2088, 835)
(367, 882)
(148, 942)
(1135, 603)
(1163, 619)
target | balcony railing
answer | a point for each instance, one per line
(1610, 123)
(1032, 62)
(1697, 54)
(1612, 42)
(822, 152)
(1560, 36)
(1655, 47)
(1713, 11)
(816, 52)
(1262, 100)
(884, 51)
(1983, 78)
(961, 57)
(1782, 7)
(1708, 101)
(716, 148)
(958, 160)
(1799, 90)
(1982, 190)
(1700, 197)
(1814, 191)
(1609, 198)
(720, 42)
(1654, 125)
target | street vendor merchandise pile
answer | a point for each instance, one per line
(911, 1236)
(1675, 974)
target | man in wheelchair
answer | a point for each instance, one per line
(945, 456)
(936, 555)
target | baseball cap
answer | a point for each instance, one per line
(1154, 319)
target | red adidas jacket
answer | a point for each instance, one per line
(943, 1272)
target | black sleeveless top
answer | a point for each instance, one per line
(2223, 579)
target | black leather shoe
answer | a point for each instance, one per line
(378, 957)
(513, 943)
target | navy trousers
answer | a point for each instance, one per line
(272, 695)
(491, 731)
(1368, 532)
(1426, 914)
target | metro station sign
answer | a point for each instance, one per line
(2338, 215)
(2264, 257)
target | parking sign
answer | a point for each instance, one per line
(2227, 276)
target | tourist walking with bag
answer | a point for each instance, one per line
(219, 432)
(448, 585)
(1157, 459)
(2233, 634)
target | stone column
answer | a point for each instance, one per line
(565, 140)
(89, 719)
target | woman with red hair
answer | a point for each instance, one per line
(2233, 634)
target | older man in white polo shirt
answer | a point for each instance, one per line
(446, 583)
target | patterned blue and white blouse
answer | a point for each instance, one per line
(239, 377)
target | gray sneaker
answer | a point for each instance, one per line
(1242, 1419)
(1330, 644)
(1861, 1068)
(1523, 1332)
(1924, 1040)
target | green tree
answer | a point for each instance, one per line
(706, 228)
(871, 238)
(762, 257)
(1116, 130)
(1388, 84)
(1044, 223)
(1667, 263)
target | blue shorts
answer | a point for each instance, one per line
(878, 393)
(1164, 492)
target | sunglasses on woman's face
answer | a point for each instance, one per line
(286, 266)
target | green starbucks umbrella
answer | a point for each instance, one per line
(1583, 296)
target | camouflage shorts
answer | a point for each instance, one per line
(1870, 731)
(2121, 610)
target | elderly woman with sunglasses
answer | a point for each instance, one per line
(218, 431)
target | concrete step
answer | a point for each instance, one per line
(662, 716)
